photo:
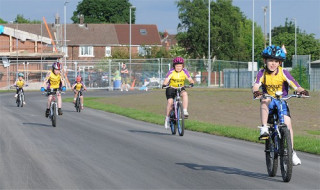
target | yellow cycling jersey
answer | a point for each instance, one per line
(54, 80)
(78, 86)
(177, 79)
(20, 83)
(278, 82)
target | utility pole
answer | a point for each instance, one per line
(265, 8)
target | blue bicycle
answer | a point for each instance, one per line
(278, 143)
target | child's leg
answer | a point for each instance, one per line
(185, 101)
(169, 106)
(81, 100)
(264, 111)
(59, 100)
(49, 101)
(287, 121)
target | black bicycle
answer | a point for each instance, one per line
(20, 98)
(176, 114)
(278, 143)
(53, 110)
(77, 104)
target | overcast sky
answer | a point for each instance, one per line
(164, 13)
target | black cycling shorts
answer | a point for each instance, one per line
(172, 92)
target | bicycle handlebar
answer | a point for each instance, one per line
(265, 96)
(176, 87)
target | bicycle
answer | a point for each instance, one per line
(278, 143)
(53, 113)
(176, 114)
(20, 98)
(77, 104)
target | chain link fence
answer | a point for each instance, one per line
(143, 73)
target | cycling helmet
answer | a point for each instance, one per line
(274, 52)
(20, 75)
(177, 60)
(56, 65)
(78, 79)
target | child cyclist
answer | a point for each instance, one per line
(175, 78)
(20, 83)
(273, 78)
(54, 82)
(78, 87)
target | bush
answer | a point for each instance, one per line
(300, 74)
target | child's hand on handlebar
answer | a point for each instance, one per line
(257, 94)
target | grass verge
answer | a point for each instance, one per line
(302, 143)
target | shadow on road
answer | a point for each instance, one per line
(148, 132)
(37, 124)
(229, 170)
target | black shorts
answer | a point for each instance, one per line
(171, 92)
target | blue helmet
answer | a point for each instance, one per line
(274, 52)
(20, 75)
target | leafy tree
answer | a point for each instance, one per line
(3, 21)
(230, 31)
(104, 11)
(20, 19)
(307, 44)
(300, 74)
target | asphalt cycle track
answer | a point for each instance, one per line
(99, 150)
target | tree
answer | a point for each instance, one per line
(3, 21)
(20, 19)
(230, 31)
(307, 44)
(104, 11)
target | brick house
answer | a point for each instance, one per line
(32, 42)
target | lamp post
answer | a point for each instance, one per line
(209, 56)
(269, 22)
(65, 32)
(131, 7)
(295, 38)
(252, 71)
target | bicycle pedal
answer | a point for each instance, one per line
(264, 138)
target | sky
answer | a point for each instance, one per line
(164, 13)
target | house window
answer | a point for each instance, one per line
(143, 31)
(86, 51)
(108, 51)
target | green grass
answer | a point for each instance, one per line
(302, 143)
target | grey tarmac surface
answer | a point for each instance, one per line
(99, 150)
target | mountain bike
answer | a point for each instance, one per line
(20, 98)
(176, 114)
(278, 143)
(77, 104)
(53, 113)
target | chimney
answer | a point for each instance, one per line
(57, 19)
(81, 19)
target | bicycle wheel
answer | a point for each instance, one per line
(172, 123)
(285, 154)
(271, 156)
(78, 104)
(18, 100)
(54, 115)
(180, 119)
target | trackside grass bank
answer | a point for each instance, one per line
(302, 143)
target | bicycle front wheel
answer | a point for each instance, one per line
(172, 123)
(18, 101)
(180, 119)
(271, 157)
(285, 154)
(78, 104)
(54, 115)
